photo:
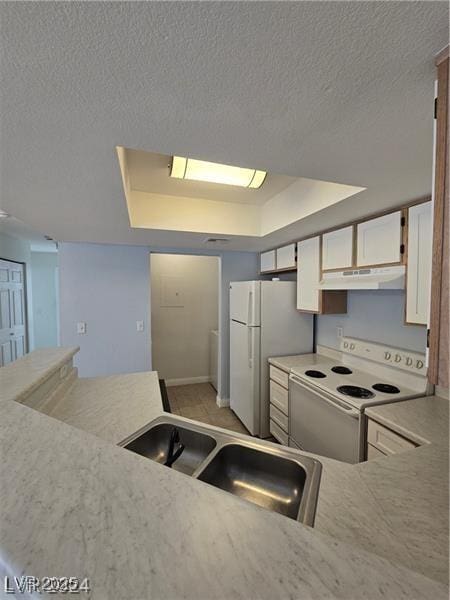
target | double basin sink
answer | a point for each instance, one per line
(276, 478)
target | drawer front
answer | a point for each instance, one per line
(279, 376)
(279, 397)
(385, 440)
(279, 418)
(373, 452)
(278, 433)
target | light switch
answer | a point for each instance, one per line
(81, 327)
(139, 325)
(340, 332)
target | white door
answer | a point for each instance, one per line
(379, 240)
(418, 283)
(12, 311)
(244, 374)
(308, 274)
(245, 302)
(337, 249)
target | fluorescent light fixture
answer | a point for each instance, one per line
(3, 214)
(201, 170)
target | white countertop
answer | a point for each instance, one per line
(81, 506)
(23, 376)
(78, 505)
(111, 407)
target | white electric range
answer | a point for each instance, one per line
(327, 397)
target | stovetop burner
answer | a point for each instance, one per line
(386, 388)
(355, 391)
(341, 370)
(316, 374)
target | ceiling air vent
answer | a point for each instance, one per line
(212, 240)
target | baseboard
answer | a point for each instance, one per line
(188, 380)
(222, 402)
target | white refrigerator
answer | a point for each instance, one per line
(264, 322)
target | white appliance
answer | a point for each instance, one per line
(327, 397)
(264, 322)
(377, 278)
(213, 357)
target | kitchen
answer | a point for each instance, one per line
(332, 311)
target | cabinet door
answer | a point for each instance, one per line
(337, 249)
(418, 284)
(379, 240)
(268, 261)
(385, 440)
(308, 274)
(286, 257)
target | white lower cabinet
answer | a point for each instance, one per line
(382, 441)
(279, 405)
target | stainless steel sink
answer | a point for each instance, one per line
(154, 444)
(271, 481)
(274, 477)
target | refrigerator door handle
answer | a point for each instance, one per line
(249, 345)
(249, 310)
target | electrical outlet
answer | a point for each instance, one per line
(340, 332)
(139, 325)
(81, 327)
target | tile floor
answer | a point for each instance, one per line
(198, 401)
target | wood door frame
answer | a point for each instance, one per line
(440, 194)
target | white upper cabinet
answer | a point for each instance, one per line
(268, 261)
(286, 257)
(337, 249)
(418, 284)
(379, 240)
(308, 274)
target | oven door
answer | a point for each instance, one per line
(322, 424)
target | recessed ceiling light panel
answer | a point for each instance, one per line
(201, 170)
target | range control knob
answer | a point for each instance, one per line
(419, 364)
(387, 356)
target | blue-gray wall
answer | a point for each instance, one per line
(108, 287)
(376, 315)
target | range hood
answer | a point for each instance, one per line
(378, 278)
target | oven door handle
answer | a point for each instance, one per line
(338, 404)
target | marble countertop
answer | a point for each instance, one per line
(112, 407)
(422, 420)
(81, 506)
(287, 363)
(21, 377)
(396, 506)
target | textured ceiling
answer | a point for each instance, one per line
(339, 91)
